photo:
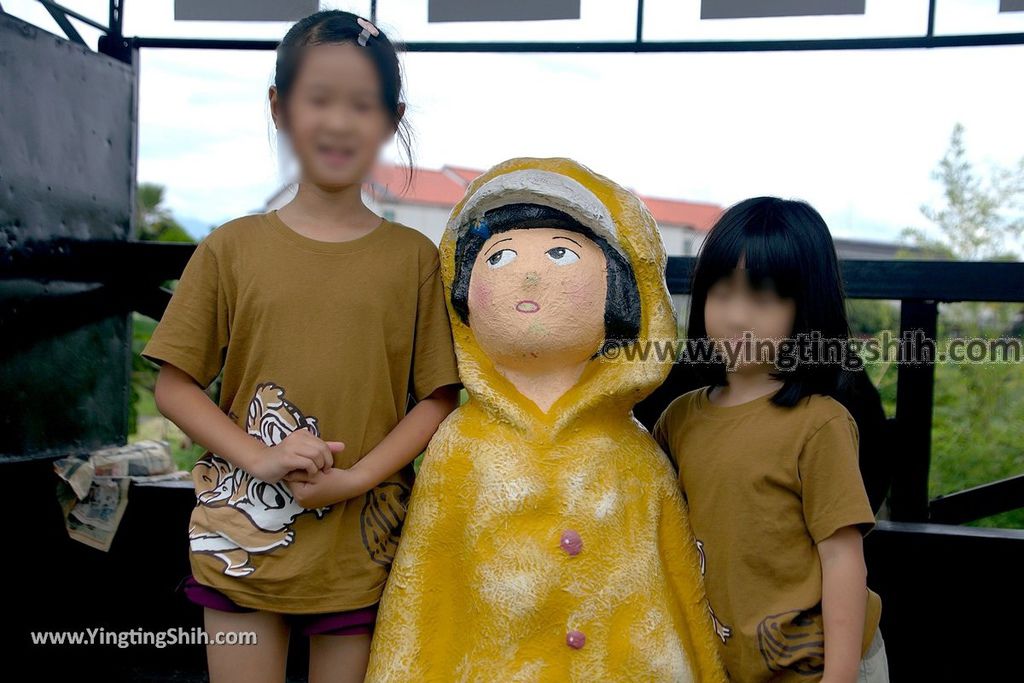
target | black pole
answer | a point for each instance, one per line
(915, 393)
(115, 17)
(893, 43)
(639, 21)
(114, 43)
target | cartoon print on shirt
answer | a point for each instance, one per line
(237, 515)
(721, 630)
(793, 643)
(381, 520)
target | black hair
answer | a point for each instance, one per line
(786, 247)
(622, 302)
(335, 27)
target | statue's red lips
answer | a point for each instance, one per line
(527, 306)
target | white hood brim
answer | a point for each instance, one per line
(536, 186)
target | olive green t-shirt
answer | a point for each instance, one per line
(764, 485)
(332, 337)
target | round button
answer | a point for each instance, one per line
(571, 542)
(575, 639)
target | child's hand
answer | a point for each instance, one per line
(299, 453)
(328, 488)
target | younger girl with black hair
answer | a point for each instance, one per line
(325, 320)
(768, 459)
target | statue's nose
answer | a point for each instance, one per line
(532, 277)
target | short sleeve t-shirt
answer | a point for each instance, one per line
(765, 484)
(333, 337)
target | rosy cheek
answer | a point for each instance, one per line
(586, 294)
(580, 289)
(481, 293)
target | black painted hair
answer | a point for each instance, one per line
(786, 247)
(334, 27)
(622, 303)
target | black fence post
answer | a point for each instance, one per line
(915, 390)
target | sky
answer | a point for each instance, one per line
(856, 133)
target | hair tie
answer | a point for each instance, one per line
(368, 30)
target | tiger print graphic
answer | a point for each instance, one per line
(271, 417)
(796, 644)
(721, 630)
(381, 520)
(236, 515)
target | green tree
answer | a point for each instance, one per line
(871, 316)
(977, 409)
(153, 220)
(981, 218)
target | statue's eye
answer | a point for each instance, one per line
(500, 258)
(562, 256)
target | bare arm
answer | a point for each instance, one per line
(402, 444)
(184, 403)
(843, 603)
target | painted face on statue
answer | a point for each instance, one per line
(537, 297)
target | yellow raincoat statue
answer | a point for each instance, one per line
(546, 539)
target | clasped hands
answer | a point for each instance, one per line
(306, 462)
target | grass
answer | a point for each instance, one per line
(978, 413)
(977, 431)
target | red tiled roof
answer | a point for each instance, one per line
(467, 174)
(700, 215)
(445, 187)
(429, 186)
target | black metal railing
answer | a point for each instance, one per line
(131, 276)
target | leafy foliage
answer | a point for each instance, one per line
(977, 434)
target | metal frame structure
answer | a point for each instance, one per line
(114, 42)
(918, 285)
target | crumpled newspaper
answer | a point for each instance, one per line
(93, 491)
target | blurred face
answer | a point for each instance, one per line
(734, 307)
(537, 298)
(334, 115)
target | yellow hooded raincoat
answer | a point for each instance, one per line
(482, 587)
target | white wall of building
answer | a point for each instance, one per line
(680, 240)
(430, 220)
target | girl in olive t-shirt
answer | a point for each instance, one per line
(324, 320)
(767, 460)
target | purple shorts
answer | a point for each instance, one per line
(348, 623)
